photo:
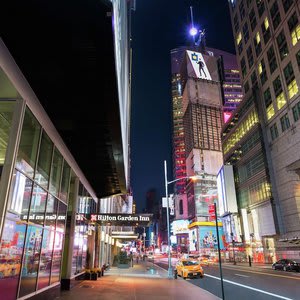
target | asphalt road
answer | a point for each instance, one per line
(240, 282)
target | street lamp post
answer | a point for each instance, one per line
(168, 224)
(168, 219)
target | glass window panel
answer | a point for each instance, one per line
(38, 205)
(65, 181)
(57, 256)
(51, 212)
(61, 217)
(44, 161)
(56, 172)
(11, 249)
(31, 259)
(6, 115)
(46, 258)
(19, 195)
(28, 144)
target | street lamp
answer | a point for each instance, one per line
(168, 220)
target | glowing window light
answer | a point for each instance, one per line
(292, 89)
(280, 99)
(257, 37)
(295, 34)
(259, 68)
(266, 23)
(270, 111)
(239, 38)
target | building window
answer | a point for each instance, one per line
(260, 7)
(295, 35)
(294, 28)
(280, 99)
(274, 132)
(282, 45)
(246, 32)
(242, 10)
(252, 18)
(180, 207)
(253, 78)
(272, 59)
(239, 42)
(236, 22)
(250, 56)
(257, 43)
(293, 89)
(243, 67)
(298, 58)
(287, 4)
(288, 73)
(269, 104)
(277, 86)
(275, 15)
(296, 112)
(290, 80)
(285, 122)
(265, 27)
(262, 72)
(246, 87)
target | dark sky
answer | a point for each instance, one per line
(157, 27)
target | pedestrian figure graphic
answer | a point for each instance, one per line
(201, 67)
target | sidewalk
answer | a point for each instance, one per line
(144, 281)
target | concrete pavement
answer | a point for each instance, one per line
(144, 281)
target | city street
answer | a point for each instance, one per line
(244, 282)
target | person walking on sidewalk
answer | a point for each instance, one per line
(131, 259)
(137, 258)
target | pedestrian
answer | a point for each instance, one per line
(137, 258)
(131, 258)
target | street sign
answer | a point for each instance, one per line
(211, 212)
(164, 202)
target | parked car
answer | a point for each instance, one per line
(286, 265)
(189, 268)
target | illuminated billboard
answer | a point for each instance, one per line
(208, 237)
(199, 65)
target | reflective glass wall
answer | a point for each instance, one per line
(33, 234)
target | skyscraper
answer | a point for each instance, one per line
(268, 51)
(198, 80)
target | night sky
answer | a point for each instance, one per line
(157, 27)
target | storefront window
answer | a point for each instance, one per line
(38, 205)
(51, 212)
(6, 114)
(31, 260)
(65, 181)
(61, 217)
(57, 256)
(46, 258)
(44, 161)
(28, 144)
(19, 196)
(11, 248)
(56, 172)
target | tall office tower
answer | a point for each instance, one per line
(201, 119)
(179, 168)
(268, 50)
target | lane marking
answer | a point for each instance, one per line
(250, 288)
(241, 275)
(274, 275)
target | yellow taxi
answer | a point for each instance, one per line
(189, 268)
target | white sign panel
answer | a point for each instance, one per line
(199, 65)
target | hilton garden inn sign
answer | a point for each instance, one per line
(118, 219)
